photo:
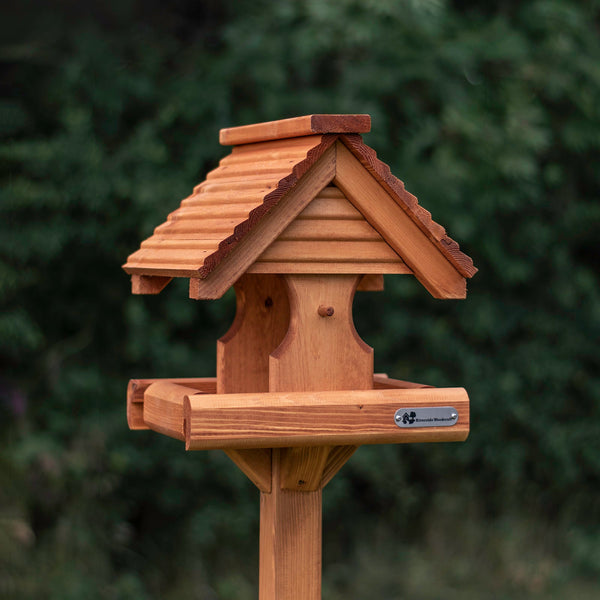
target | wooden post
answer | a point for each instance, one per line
(290, 541)
(320, 351)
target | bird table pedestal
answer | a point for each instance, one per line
(308, 343)
(298, 216)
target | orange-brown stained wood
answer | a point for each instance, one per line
(333, 268)
(302, 468)
(137, 387)
(370, 283)
(317, 353)
(163, 408)
(245, 192)
(230, 268)
(308, 358)
(290, 541)
(140, 284)
(338, 456)
(263, 153)
(255, 464)
(229, 203)
(329, 236)
(302, 419)
(295, 127)
(383, 382)
(367, 157)
(430, 267)
(261, 322)
(269, 207)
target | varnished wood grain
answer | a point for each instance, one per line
(370, 283)
(163, 408)
(141, 284)
(137, 387)
(331, 268)
(317, 353)
(326, 251)
(255, 464)
(290, 542)
(336, 459)
(231, 201)
(261, 322)
(383, 382)
(260, 236)
(135, 408)
(420, 216)
(430, 267)
(295, 127)
(269, 151)
(302, 468)
(287, 419)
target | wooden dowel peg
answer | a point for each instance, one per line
(325, 311)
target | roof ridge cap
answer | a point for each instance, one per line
(295, 127)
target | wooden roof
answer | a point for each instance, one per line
(270, 206)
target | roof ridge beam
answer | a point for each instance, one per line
(296, 127)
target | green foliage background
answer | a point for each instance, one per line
(490, 114)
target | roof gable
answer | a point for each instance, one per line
(246, 203)
(329, 236)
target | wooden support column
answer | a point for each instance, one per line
(296, 337)
(290, 541)
(321, 351)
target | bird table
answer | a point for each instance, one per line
(297, 218)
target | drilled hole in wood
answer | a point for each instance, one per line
(269, 302)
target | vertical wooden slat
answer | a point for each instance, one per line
(261, 322)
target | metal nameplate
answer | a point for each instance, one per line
(431, 416)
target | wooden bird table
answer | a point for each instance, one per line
(295, 220)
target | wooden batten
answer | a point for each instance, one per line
(329, 236)
(137, 387)
(135, 407)
(370, 283)
(295, 127)
(142, 284)
(336, 418)
(163, 408)
(383, 382)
